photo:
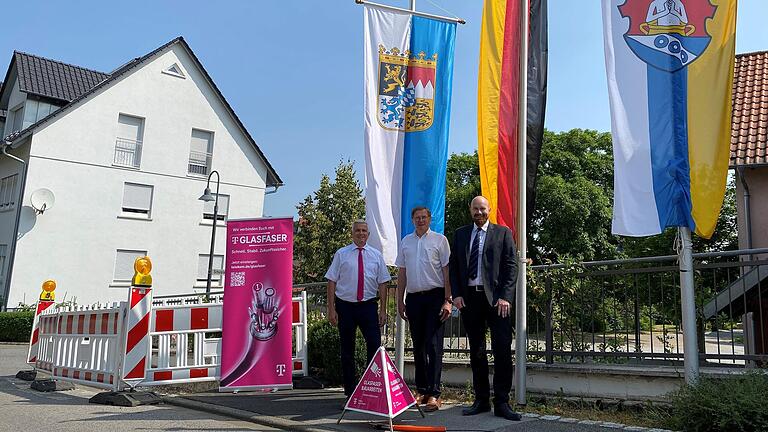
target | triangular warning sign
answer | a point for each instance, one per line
(382, 390)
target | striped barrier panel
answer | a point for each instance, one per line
(137, 335)
(186, 349)
(35, 337)
(299, 315)
(82, 345)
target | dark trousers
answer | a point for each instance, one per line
(423, 310)
(354, 315)
(478, 316)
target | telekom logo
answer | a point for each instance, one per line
(280, 369)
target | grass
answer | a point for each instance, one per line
(646, 415)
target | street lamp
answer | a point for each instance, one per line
(208, 197)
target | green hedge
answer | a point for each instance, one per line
(323, 352)
(722, 404)
(16, 326)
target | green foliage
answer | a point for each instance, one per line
(16, 326)
(462, 184)
(725, 404)
(574, 197)
(323, 351)
(325, 222)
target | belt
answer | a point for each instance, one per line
(429, 291)
(476, 288)
(370, 300)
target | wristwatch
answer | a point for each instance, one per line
(449, 300)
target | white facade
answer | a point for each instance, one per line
(74, 155)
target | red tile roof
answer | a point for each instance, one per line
(749, 124)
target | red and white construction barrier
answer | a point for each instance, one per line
(299, 312)
(81, 345)
(137, 338)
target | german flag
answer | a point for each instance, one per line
(498, 103)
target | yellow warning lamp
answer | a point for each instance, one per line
(49, 287)
(142, 266)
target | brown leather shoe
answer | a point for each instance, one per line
(433, 404)
(420, 398)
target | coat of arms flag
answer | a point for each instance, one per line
(670, 73)
(408, 75)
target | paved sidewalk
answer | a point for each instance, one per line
(318, 410)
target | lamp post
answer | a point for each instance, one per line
(208, 197)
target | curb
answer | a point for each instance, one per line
(264, 420)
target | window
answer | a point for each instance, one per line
(36, 110)
(174, 70)
(202, 268)
(3, 260)
(200, 152)
(124, 265)
(128, 144)
(223, 208)
(8, 196)
(137, 200)
(18, 119)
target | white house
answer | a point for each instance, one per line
(126, 155)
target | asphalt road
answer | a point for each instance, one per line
(24, 410)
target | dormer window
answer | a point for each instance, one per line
(174, 70)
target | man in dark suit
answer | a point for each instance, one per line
(483, 273)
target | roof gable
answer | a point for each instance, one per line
(273, 179)
(749, 123)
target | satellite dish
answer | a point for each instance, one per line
(42, 200)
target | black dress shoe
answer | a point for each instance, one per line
(477, 408)
(504, 410)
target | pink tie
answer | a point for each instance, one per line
(360, 274)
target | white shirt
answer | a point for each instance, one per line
(483, 230)
(343, 271)
(424, 258)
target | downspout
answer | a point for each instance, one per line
(747, 210)
(15, 232)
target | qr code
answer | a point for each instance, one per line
(238, 279)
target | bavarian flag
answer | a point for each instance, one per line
(408, 78)
(670, 73)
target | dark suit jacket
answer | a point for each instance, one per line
(499, 261)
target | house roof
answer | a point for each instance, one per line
(54, 79)
(749, 124)
(273, 179)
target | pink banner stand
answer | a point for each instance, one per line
(256, 329)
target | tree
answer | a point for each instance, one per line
(462, 184)
(574, 197)
(325, 220)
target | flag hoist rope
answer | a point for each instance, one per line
(521, 338)
(411, 11)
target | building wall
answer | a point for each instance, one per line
(9, 167)
(76, 242)
(757, 180)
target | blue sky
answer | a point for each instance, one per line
(293, 71)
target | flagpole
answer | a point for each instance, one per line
(521, 338)
(688, 304)
(411, 11)
(399, 321)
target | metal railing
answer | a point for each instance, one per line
(199, 163)
(127, 153)
(627, 311)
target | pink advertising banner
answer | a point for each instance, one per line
(256, 329)
(382, 390)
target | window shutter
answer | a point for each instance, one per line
(201, 141)
(124, 264)
(137, 197)
(129, 127)
(223, 206)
